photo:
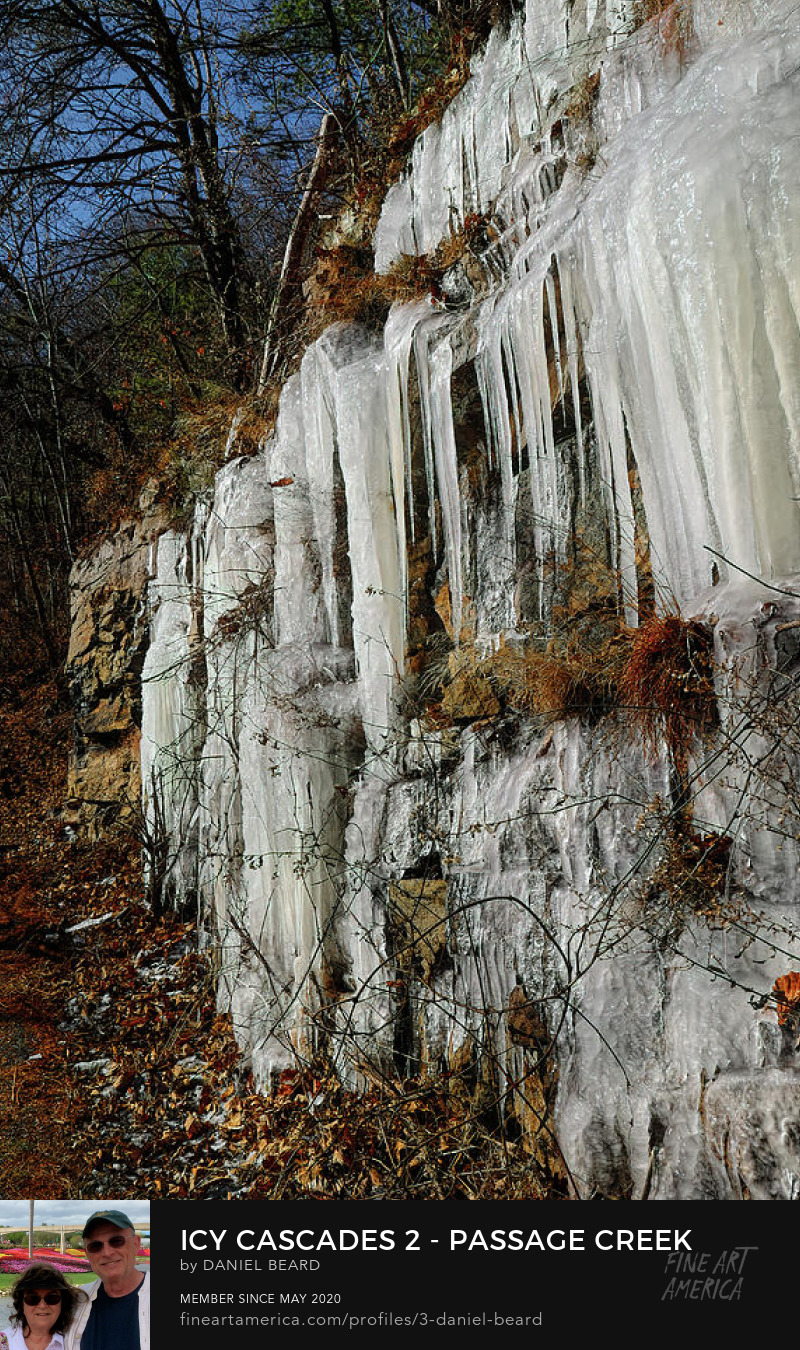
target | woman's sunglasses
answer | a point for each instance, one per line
(33, 1300)
(116, 1241)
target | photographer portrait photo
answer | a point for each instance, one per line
(72, 1275)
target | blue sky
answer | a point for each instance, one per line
(14, 1213)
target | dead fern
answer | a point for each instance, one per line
(667, 682)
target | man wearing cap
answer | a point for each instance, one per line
(117, 1315)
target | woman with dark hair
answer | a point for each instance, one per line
(44, 1306)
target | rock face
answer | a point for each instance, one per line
(421, 831)
(108, 639)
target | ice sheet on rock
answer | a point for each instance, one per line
(239, 560)
(458, 164)
(678, 263)
(461, 164)
(682, 235)
(172, 712)
(319, 430)
(284, 733)
(744, 777)
(299, 601)
(750, 1119)
(238, 551)
(295, 751)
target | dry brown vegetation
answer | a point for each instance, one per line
(674, 19)
(667, 683)
(46, 882)
(344, 288)
(583, 97)
(587, 662)
(787, 993)
(551, 684)
(657, 678)
(692, 871)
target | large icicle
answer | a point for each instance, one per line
(375, 513)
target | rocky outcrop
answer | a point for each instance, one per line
(109, 636)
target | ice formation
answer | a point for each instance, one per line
(629, 353)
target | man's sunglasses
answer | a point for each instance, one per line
(97, 1246)
(33, 1300)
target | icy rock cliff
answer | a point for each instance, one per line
(616, 362)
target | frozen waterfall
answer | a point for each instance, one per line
(621, 361)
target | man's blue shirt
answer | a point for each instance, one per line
(113, 1322)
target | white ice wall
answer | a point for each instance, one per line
(669, 269)
(677, 254)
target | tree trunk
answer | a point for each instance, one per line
(395, 51)
(304, 222)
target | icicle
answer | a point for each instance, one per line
(172, 715)
(423, 334)
(572, 341)
(552, 310)
(300, 613)
(444, 442)
(319, 456)
(498, 416)
(399, 338)
(374, 508)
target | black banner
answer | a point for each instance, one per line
(246, 1268)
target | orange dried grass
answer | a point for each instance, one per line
(554, 684)
(667, 681)
(551, 684)
(343, 288)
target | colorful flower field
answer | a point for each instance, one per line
(13, 1260)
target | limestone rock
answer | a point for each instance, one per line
(108, 640)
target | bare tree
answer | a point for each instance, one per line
(117, 110)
